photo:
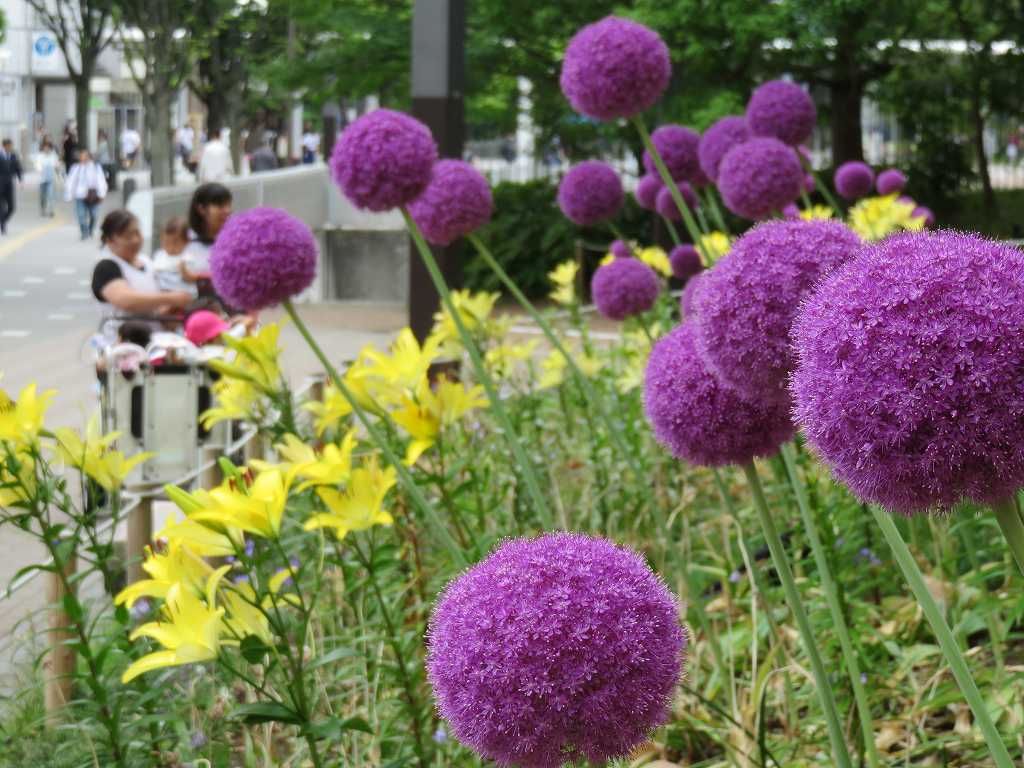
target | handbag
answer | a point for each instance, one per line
(92, 196)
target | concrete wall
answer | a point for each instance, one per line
(366, 265)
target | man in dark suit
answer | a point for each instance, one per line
(10, 167)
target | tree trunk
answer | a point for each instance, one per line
(160, 141)
(978, 118)
(82, 95)
(236, 140)
(847, 143)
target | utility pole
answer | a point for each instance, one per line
(438, 78)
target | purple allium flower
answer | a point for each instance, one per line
(759, 177)
(783, 111)
(748, 302)
(624, 287)
(688, 294)
(809, 183)
(889, 181)
(666, 204)
(929, 217)
(698, 419)
(717, 140)
(806, 155)
(854, 180)
(590, 192)
(791, 211)
(677, 146)
(906, 199)
(262, 257)
(558, 649)
(620, 250)
(685, 261)
(457, 201)
(647, 190)
(614, 68)
(910, 362)
(383, 160)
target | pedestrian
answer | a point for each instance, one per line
(207, 214)
(215, 162)
(48, 166)
(69, 146)
(87, 186)
(131, 142)
(104, 156)
(263, 159)
(310, 145)
(10, 167)
(186, 143)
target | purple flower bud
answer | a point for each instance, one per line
(624, 287)
(620, 250)
(457, 201)
(783, 111)
(614, 68)
(198, 740)
(590, 193)
(647, 190)
(666, 204)
(890, 181)
(929, 217)
(854, 180)
(677, 146)
(759, 177)
(717, 140)
(791, 211)
(685, 262)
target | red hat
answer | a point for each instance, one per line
(203, 327)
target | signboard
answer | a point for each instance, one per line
(46, 56)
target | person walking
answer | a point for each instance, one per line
(48, 166)
(87, 186)
(104, 156)
(131, 142)
(310, 145)
(215, 163)
(10, 167)
(69, 146)
(263, 159)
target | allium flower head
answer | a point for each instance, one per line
(854, 180)
(783, 111)
(677, 146)
(553, 650)
(383, 160)
(698, 419)
(666, 204)
(262, 257)
(890, 181)
(614, 68)
(590, 192)
(809, 184)
(685, 261)
(647, 190)
(925, 213)
(688, 294)
(910, 362)
(791, 211)
(759, 177)
(456, 202)
(748, 302)
(718, 140)
(620, 250)
(624, 287)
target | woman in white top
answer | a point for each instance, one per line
(87, 186)
(48, 164)
(207, 214)
(122, 280)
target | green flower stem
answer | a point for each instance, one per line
(840, 753)
(716, 212)
(404, 476)
(701, 220)
(591, 393)
(1012, 526)
(820, 187)
(831, 597)
(666, 177)
(672, 231)
(540, 504)
(805, 200)
(954, 657)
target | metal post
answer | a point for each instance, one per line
(140, 534)
(60, 666)
(438, 74)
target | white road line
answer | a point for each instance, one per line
(32, 280)
(78, 296)
(64, 271)
(14, 334)
(59, 316)
(14, 294)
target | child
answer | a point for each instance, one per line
(167, 262)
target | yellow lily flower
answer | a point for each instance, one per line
(554, 365)
(405, 366)
(501, 359)
(21, 483)
(328, 412)
(564, 279)
(234, 398)
(22, 419)
(191, 632)
(433, 410)
(475, 312)
(94, 456)
(242, 617)
(816, 212)
(257, 509)
(714, 246)
(330, 466)
(177, 564)
(201, 539)
(656, 259)
(256, 358)
(360, 506)
(875, 218)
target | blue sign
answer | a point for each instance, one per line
(45, 45)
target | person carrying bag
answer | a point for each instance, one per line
(87, 186)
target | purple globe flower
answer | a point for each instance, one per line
(666, 206)
(791, 211)
(687, 296)
(718, 140)
(759, 177)
(685, 262)
(624, 287)
(748, 302)
(696, 418)
(783, 111)
(890, 181)
(456, 202)
(614, 68)
(620, 250)
(647, 190)
(383, 160)
(677, 146)
(906, 199)
(262, 257)
(590, 193)
(854, 180)
(929, 217)
(911, 359)
(554, 650)
(809, 183)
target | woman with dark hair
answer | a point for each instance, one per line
(122, 280)
(207, 213)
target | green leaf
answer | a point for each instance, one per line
(332, 656)
(334, 728)
(265, 712)
(253, 649)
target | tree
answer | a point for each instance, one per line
(83, 29)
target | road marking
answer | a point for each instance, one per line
(14, 294)
(78, 296)
(32, 280)
(59, 316)
(11, 246)
(14, 334)
(64, 271)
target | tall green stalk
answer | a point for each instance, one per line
(1012, 526)
(832, 598)
(404, 476)
(666, 177)
(954, 657)
(497, 406)
(716, 212)
(840, 753)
